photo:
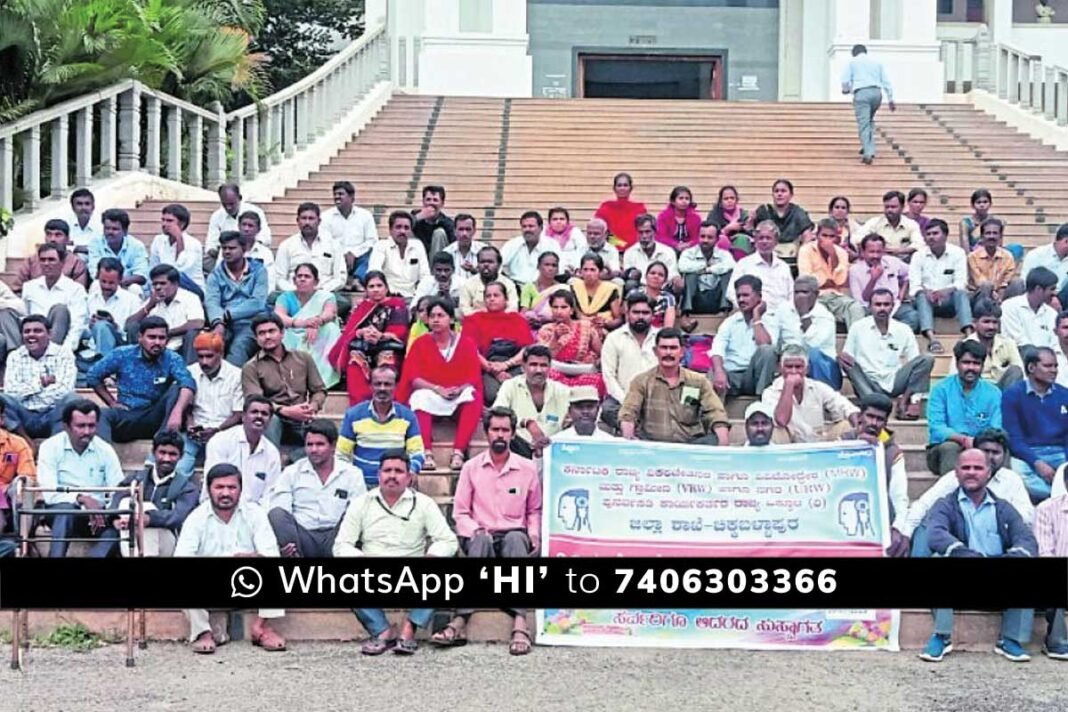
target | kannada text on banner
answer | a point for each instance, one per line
(632, 498)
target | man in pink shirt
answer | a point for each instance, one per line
(497, 510)
(1051, 533)
(877, 270)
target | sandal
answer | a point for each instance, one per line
(520, 646)
(406, 646)
(935, 347)
(428, 463)
(449, 637)
(457, 461)
(377, 646)
(269, 641)
(204, 645)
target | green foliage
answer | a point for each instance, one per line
(51, 50)
(299, 35)
(71, 636)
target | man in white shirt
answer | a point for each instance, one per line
(394, 520)
(626, 352)
(597, 240)
(182, 311)
(176, 247)
(1028, 319)
(226, 218)
(1062, 348)
(938, 283)
(745, 348)
(11, 312)
(83, 221)
(464, 251)
(881, 356)
(706, 271)
(245, 445)
(307, 502)
(472, 295)
(402, 259)
(249, 223)
(39, 381)
(110, 307)
(773, 272)
(1053, 257)
(1005, 484)
(62, 300)
(647, 250)
(902, 234)
(218, 403)
(585, 404)
(443, 282)
(808, 323)
(352, 227)
(311, 245)
(520, 254)
(806, 410)
(228, 526)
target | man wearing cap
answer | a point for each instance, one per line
(584, 408)
(759, 424)
(218, 403)
(673, 404)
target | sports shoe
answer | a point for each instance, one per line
(1056, 652)
(1012, 650)
(938, 647)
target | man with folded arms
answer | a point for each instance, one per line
(307, 502)
(971, 522)
(226, 526)
(497, 510)
(394, 520)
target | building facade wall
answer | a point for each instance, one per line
(746, 31)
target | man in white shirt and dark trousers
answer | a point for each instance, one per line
(881, 356)
(352, 228)
(110, 307)
(246, 446)
(226, 526)
(938, 279)
(866, 80)
(311, 245)
(1028, 319)
(181, 309)
(520, 254)
(307, 502)
(402, 259)
(227, 217)
(57, 297)
(626, 352)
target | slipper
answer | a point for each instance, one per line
(428, 463)
(406, 646)
(457, 461)
(203, 645)
(269, 641)
(449, 637)
(519, 646)
(377, 646)
(935, 347)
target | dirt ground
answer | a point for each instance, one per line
(483, 678)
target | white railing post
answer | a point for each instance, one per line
(60, 137)
(289, 121)
(83, 146)
(237, 149)
(7, 173)
(153, 116)
(1002, 81)
(1061, 110)
(31, 167)
(252, 147)
(1049, 93)
(217, 148)
(302, 121)
(266, 130)
(194, 172)
(275, 140)
(130, 129)
(1034, 84)
(174, 143)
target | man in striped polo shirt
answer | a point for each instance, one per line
(372, 427)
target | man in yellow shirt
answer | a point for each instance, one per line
(16, 460)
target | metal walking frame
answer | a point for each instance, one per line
(25, 526)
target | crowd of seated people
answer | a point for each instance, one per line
(222, 353)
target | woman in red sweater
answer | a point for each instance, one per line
(620, 213)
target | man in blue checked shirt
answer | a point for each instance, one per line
(960, 407)
(154, 386)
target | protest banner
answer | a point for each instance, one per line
(635, 498)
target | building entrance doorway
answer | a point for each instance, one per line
(644, 76)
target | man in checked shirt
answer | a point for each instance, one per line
(1051, 532)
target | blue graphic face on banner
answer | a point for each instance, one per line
(573, 510)
(854, 514)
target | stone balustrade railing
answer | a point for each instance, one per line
(1013, 75)
(129, 127)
